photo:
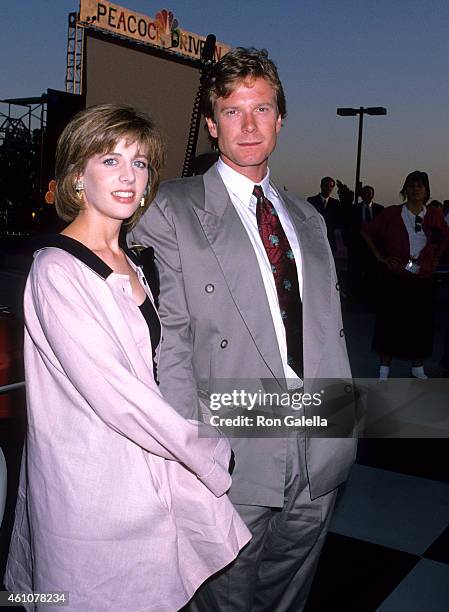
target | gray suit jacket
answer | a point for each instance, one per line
(217, 322)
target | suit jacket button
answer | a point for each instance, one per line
(209, 288)
(342, 332)
(224, 343)
(337, 286)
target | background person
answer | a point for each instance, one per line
(407, 240)
(329, 208)
(446, 211)
(362, 265)
(435, 204)
(120, 502)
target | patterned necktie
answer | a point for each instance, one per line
(283, 266)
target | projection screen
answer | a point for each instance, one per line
(156, 82)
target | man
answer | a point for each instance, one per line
(367, 209)
(362, 265)
(329, 207)
(225, 316)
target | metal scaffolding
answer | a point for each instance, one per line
(22, 133)
(18, 125)
(74, 71)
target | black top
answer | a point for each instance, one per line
(149, 314)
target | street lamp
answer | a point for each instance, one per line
(351, 112)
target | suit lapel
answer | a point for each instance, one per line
(317, 287)
(235, 255)
(319, 204)
(232, 247)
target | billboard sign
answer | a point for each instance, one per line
(162, 31)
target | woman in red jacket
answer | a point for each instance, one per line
(407, 240)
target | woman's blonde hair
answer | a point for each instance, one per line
(96, 131)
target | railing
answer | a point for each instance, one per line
(12, 387)
(12, 384)
(12, 401)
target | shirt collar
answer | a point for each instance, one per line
(421, 214)
(241, 186)
(77, 249)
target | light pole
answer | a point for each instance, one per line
(351, 112)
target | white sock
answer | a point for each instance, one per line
(384, 372)
(418, 372)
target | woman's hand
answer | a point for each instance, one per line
(391, 262)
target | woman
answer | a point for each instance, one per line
(122, 501)
(407, 240)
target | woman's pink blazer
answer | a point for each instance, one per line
(122, 502)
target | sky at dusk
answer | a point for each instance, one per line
(391, 53)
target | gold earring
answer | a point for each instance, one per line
(79, 188)
(143, 198)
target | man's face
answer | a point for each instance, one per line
(246, 124)
(327, 187)
(367, 195)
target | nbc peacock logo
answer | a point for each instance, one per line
(166, 24)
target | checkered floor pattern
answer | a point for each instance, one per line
(388, 546)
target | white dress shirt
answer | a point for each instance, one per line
(367, 212)
(417, 240)
(240, 190)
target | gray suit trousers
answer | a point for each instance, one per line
(274, 572)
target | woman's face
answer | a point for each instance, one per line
(114, 183)
(416, 191)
